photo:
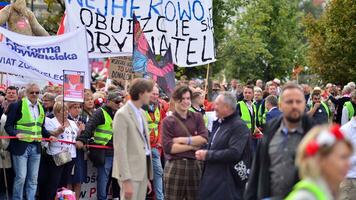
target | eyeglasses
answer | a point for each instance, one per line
(35, 92)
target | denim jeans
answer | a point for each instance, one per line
(104, 177)
(26, 171)
(157, 174)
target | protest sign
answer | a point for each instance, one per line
(44, 58)
(120, 69)
(185, 26)
(73, 86)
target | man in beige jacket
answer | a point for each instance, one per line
(132, 164)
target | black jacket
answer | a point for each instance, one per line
(14, 114)
(339, 105)
(258, 186)
(96, 120)
(229, 147)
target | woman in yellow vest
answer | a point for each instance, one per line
(323, 161)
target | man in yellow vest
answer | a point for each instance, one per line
(99, 130)
(25, 120)
(246, 109)
(154, 117)
(318, 110)
(349, 109)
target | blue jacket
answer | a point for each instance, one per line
(14, 114)
(274, 113)
(227, 162)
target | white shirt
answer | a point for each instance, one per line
(344, 116)
(272, 109)
(138, 115)
(70, 134)
(349, 129)
(139, 118)
(33, 109)
(250, 108)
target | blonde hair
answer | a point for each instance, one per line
(59, 106)
(98, 95)
(87, 93)
(309, 165)
(72, 104)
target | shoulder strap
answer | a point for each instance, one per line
(182, 125)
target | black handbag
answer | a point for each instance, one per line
(96, 156)
(241, 169)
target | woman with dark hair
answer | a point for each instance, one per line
(183, 133)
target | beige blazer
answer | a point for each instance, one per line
(129, 147)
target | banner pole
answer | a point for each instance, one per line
(126, 83)
(2, 77)
(63, 97)
(207, 80)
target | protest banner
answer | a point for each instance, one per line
(73, 86)
(44, 58)
(185, 26)
(121, 69)
(144, 61)
(20, 81)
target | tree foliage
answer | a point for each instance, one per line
(51, 20)
(265, 41)
(332, 42)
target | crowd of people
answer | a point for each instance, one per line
(268, 141)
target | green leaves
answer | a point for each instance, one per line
(264, 41)
(332, 39)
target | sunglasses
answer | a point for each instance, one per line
(34, 92)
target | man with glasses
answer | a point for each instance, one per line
(25, 120)
(99, 127)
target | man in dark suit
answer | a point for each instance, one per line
(271, 104)
(227, 159)
(25, 120)
(273, 172)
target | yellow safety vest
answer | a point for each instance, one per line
(309, 186)
(246, 116)
(103, 132)
(350, 109)
(29, 127)
(153, 124)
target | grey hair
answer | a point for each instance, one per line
(257, 89)
(352, 85)
(229, 99)
(49, 96)
(353, 94)
(273, 100)
(31, 85)
(347, 89)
